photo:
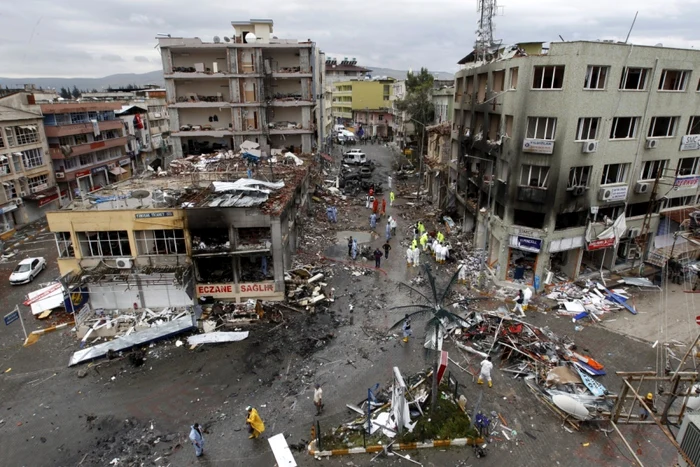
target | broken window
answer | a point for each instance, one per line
(674, 80)
(534, 220)
(513, 78)
(688, 166)
(694, 126)
(677, 202)
(534, 175)
(255, 238)
(570, 220)
(614, 173)
(32, 158)
(596, 77)
(500, 210)
(2, 142)
(99, 244)
(624, 128)
(499, 80)
(256, 268)
(22, 134)
(579, 176)
(214, 269)
(210, 240)
(160, 242)
(587, 129)
(541, 127)
(548, 77)
(64, 244)
(651, 168)
(636, 209)
(634, 79)
(611, 212)
(662, 127)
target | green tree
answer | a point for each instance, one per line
(75, 92)
(65, 93)
(435, 308)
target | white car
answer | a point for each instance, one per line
(27, 270)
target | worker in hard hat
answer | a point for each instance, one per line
(649, 401)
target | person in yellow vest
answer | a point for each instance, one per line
(254, 422)
(392, 197)
(440, 237)
(421, 228)
(424, 241)
(414, 244)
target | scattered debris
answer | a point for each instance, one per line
(216, 337)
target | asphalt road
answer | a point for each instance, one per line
(47, 410)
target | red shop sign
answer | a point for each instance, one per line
(601, 244)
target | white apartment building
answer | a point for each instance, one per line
(549, 147)
(251, 86)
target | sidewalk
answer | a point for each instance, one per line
(26, 233)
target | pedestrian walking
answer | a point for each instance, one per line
(388, 231)
(354, 249)
(393, 227)
(416, 256)
(392, 197)
(409, 257)
(197, 439)
(335, 214)
(373, 222)
(329, 213)
(383, 206)
(377, 257)
(255, 424)
(318, 399)
(485, 373)
(387, 248)
(350, 241)
(375, 206)
(519, 300)
(407, 328)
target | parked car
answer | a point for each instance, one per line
(27, 270)
(365, 172)
(354, 158)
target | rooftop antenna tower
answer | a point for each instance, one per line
(484, 35)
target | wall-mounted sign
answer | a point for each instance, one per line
(216, 290)
(686, 183)
(690, 142)
(601, 244)
(97, 170)
(124, 161)
(8, 208)
(82, 173)
(530, 244)
(618, 193)
(150, 215)
(538, 146)
(257, 289)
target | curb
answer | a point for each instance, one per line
(34, 335)
(398, 447)
(29, 238)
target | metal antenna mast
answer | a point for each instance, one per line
(484, 35)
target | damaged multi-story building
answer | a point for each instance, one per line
(250, 86)
(202, 231)
(571, 158)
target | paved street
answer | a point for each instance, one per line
(47, 410)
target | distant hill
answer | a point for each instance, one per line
(115, 81)
(153, 77)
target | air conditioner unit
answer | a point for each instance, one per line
(124, 263)
(641, 187)
(590, 146)
(578, 190)
(689, 439)
(634, 233)
(652, 143)
(19, 202)
(605, 194)
(60, 175)
(22, 194)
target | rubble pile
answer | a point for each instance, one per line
(589, 300)
(552, 366)
(102, 324)
(305, 287)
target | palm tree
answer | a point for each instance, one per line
(435, 308)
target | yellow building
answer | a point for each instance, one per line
(355, 95)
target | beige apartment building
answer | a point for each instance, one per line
(250, 86)
(551, 146)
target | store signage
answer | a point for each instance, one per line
(538, 146)
(97, 170)
(690, 142)
(82, 173)
(47, 199)
(111, 166)
(124, 161)
(601, 244)
(618, 193)
(533, 245)
(686, 183)
(216, 290)
(254, 289)
(149, 215)
(8, 208)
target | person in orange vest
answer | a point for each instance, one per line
(383, 206)
(375, 206)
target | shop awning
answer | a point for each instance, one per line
(681, 251)
(117, 171)
(680, 215)
(46, 192)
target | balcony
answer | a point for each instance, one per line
(156, 130)
(81, 128)
(80, 149)
(82, 171)
(532, 194)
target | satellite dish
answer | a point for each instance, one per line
(659, 45)
(250, 38)
(226, 39)
(217, 40)
(140, 195)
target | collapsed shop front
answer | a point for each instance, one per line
(523, 257)
(565, 255)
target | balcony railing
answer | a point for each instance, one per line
(532, 194)
(77, 150)
(81, 128)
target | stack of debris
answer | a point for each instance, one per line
(305, 287)
(591, 300)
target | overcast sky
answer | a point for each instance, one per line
(94, 38)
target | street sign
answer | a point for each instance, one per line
(697, 320)
(11, 317)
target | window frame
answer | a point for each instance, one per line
(541, 179)
(602, 69)
(693, 121)
(625, 75)
(683, 83)
(543, 69)
(172, 245)
(579, 128)
(625, 166)
(26, 136)
(547, 121)
(694, 166)
(64, 244)
(613, 127)
(651, 167)
(34, 182)
(585, 172)
(672, 127)
(32, 158)
(95, 246)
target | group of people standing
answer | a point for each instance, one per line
(253, 421)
